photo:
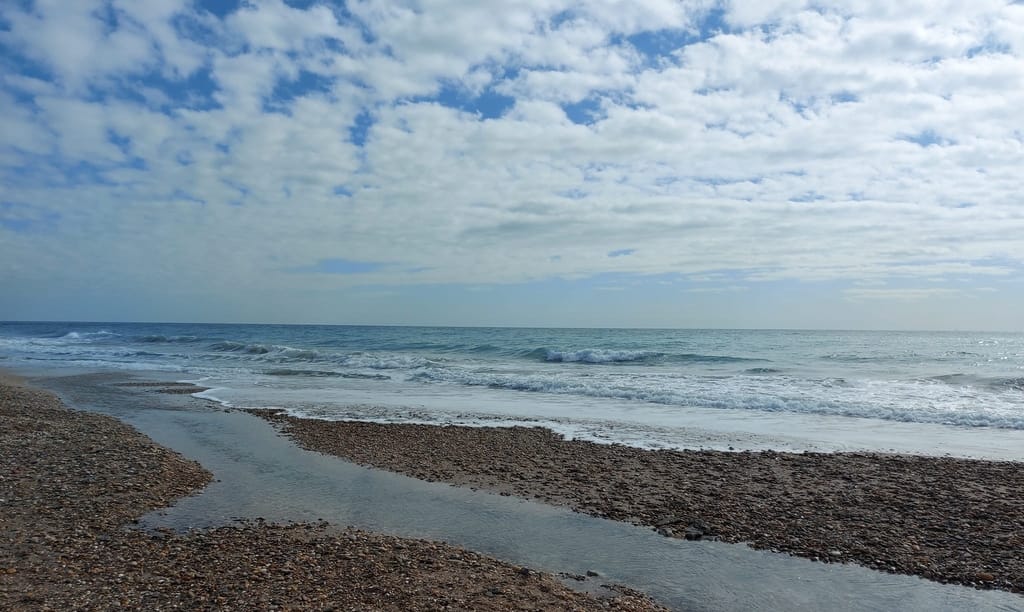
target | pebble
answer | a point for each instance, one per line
(831, 507)
(65, 547)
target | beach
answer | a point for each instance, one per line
(562, 304)
(944, 519)
(710, 470)
(72, 483)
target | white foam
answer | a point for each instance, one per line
(644, 426)
(597, 356)
(920, 401)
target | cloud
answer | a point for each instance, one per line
(162, 144)
(901, 294)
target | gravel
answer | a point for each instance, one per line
(945, 519)
(71, 483)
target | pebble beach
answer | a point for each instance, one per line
(945, 519)
(72, 483)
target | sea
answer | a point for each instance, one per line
(936, 393)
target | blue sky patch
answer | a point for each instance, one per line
(660, 45)
(26, 219)
(560, 18)
(243, 192)
(20, 64)
(927, 138)
(713, 23)
(341, 266)
(844, 97)
(195, 91)
(621, 252)
(220, 8)
(182, 195)
(361, 127)
(587, 111)
(809, 196)
(287, 90)
(488, 105)
(123, 143)
(991, 46)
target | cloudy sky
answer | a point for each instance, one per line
(682, 163)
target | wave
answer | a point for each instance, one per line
(168, 339)
(327, 374)
(851, 358)
(593, 356)
(828, 397)
(386, 361)
(110, 364)
(604, 356)
(228, 346)
(137, 354)
(273, 353)
(288, 352)
(695, 358)
(1011, 383)
(76, 335)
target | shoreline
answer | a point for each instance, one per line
(944, 519)
(72, 482)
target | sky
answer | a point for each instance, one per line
(855, 164)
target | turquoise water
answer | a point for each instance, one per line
(795, 389)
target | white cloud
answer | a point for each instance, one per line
(901, 294)
(272, 24)
(861, 142)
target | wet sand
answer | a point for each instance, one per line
(948, 520)
(72, 483)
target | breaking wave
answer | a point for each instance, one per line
(594, 356)
(75, 335)
(828, 396)
(604, 356)
(168, 339)
(327, 374)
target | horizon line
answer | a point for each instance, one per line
(553, 327)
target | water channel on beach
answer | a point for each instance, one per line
(260, 474)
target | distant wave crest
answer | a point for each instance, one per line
(75, 335)
(227, 346)
(594, 356)
(385, 361)
(328, 374)
(609, 356)
(286, 352)
(156, 338)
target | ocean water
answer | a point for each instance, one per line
(943, 392)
